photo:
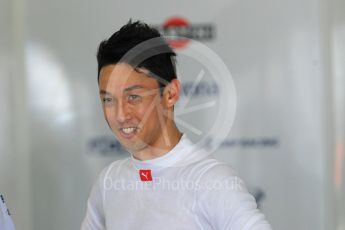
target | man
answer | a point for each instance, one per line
(167, 182)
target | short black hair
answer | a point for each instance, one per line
(161, 62)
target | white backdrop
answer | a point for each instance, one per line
(338, 56)
(15, 155)
(281, 139)
(5, 132)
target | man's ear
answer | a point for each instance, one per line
(171, 93)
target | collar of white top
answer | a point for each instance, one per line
(182, 154)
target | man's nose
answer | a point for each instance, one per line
(123, 113)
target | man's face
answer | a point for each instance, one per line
(132, 105)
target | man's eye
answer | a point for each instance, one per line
(134, 98)
(107, 100)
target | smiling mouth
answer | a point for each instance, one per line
(128, 131)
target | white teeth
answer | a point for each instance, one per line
(128, 130)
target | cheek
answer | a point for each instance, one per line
(144, 114)
(150, 118)
(139, 113)
(109, 115)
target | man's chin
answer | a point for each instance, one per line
(132, 145)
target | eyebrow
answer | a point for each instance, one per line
(104, 92)
(133, 88)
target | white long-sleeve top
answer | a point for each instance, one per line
(183, 189)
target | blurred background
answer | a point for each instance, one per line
(287, 60)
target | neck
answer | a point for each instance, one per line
(164, 144)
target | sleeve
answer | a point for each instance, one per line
(223, 202)
(6, 222)
(94, 218)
